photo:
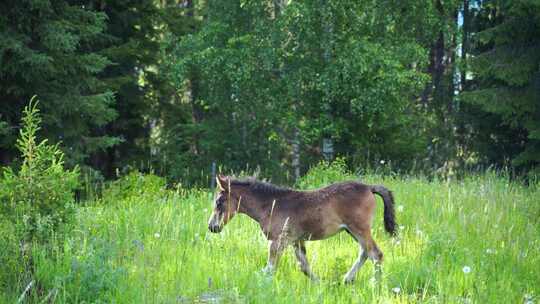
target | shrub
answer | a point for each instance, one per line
(36, 200)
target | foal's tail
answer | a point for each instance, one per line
(389, 216)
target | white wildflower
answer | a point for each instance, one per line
(400, 208)
(490, 251)
(396, 290)
(382, 161)
(157, 235)
(466, 269)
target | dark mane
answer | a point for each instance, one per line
(261, 188)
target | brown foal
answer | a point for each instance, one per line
(291, 217)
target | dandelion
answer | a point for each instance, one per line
(466, 269)
(157, 235)
(400, 208)
(396, 290)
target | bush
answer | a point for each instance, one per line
(35, 201)
(326, 173)
(12, 263)
(134, 185)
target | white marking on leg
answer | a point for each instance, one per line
(268, 269)
(350, 276)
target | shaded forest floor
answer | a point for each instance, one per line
(468, 241)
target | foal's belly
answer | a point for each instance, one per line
(320, 231)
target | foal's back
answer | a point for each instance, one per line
(321, 213)
(342, 194)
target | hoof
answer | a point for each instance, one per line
(268, 270)
(348, 281)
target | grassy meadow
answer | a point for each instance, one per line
(469, 241)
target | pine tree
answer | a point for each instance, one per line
(504, 94)
(135, 31)
(48, 48)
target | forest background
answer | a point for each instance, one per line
(438, 87)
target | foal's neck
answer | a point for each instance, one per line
(253, 207)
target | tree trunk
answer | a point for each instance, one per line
(296, 153)
(278, 6)
(192, 90)
(460, 120)
(465, 43)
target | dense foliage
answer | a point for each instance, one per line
(272, 79)
(174, 86)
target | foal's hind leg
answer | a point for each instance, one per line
(368, 249)
(351, 274)
(375, 254)
(300, 252)
(362, 257)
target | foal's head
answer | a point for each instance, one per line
(225, 205)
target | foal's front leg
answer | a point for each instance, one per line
(275, 249)
(300, 252)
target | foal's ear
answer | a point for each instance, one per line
(222, 182)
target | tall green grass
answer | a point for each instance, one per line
(142, 243)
